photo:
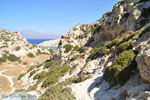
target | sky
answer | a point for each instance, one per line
(50, 16)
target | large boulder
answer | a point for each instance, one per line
(143, 60)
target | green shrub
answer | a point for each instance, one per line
(98, 51)
(68, 48)
(82, 49)
(31, 55)
(17, 48)
(123, 38)
(38, 52)
(21, 75)
(57, 92)
(2, 60)
(82, 36)
(76, 48)
(31, 68)
(54, 74)
(124, 46)
(120, 42)
(116, 41)
(122, 68)
(12, 58)
(51, 51)
(76, 57)
(41, 75)
(108, 44)
(32, 73)
(38, 66)
(25, 63)
(52, 63)
(79, 79)
(56, 70)
(49, 63)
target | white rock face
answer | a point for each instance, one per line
(52, 44)
(125, 16)
(143, 58)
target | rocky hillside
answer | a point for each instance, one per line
(13, 46)
(106, 60)
(16, 57)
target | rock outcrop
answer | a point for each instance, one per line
(143, 58)
(127, 15)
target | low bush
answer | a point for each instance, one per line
(41, 75)
(17, 48)
(57, 92)
(68, 48)
(120, 43)
(32, 73)
(21, 75)
(31, 55)
(122, 68)
(124, 46)
(74, 58)
(82, 49)
(98, 51)
(54, 74)
(82, 36)
(52, 63)
(77, 57)
(2, 60)
(79, 79)
(12, 58)
(76, 48)
(108, 44)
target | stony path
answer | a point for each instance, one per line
(87, 88)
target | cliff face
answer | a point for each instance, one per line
(127, 15)
(143, 58)
(107, 59)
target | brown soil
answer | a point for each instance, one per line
(13, 70)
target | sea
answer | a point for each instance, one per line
(37, 41)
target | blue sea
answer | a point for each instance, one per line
(37, 41)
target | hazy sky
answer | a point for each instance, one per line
(54, 16)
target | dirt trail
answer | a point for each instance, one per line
(10, 71)
(10, 79)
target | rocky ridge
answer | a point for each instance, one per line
(14, 44)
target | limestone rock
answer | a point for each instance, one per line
(52, 44)
(143, 60)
